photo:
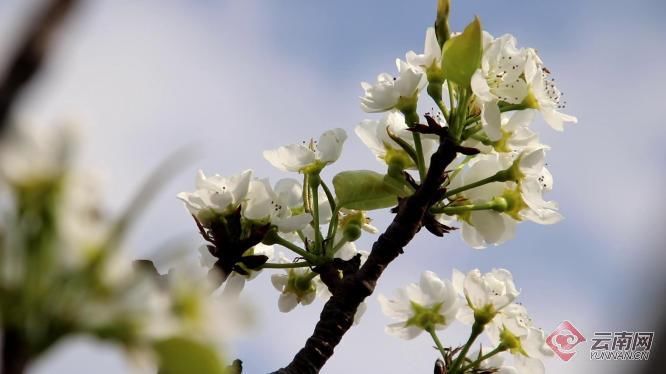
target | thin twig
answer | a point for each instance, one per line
(31, 54)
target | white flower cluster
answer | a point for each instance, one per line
(508, 75)
(61, 262)
(287, 208)
(281, 206)
(261, 203)
(486, 300)
(487, 193)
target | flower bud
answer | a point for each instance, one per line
(352, 232)
(442, 21)
(301, 284)
(500, 204)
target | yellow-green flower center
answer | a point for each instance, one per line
(426, 318)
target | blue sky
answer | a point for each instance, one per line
(236, 77)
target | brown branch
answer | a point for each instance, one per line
(15, 355)
(338, 313)
(30, 55)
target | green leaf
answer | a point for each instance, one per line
(366, 190)
(185, 356)
(461, 55)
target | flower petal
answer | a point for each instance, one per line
(330, 145)
(293, 157)
(287, 302)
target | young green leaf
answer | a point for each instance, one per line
(184, 356)
(461, 55)
(364, 190)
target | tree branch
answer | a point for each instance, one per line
(31, 53)
(15, 355)
(338, 313)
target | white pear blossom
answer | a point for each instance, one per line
(495, 362)
(197, 313)
(348, 215)
(296, 286)
(392, 92)
(431, 304)
(180, 305)
(82, 225)
(345, 250)
(481, 228)
(489, 292)
(500, 78)
(527, 344)
(310, 156)
(375, 135)
(217, 194)
(236, 281)
(432, 53)
(282, 207)
(516, 135)
(143, 303)
(543, 94)
(526, 195)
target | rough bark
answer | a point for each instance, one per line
(338, 313)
